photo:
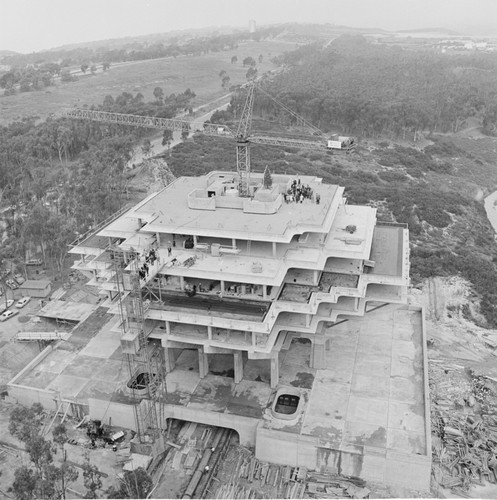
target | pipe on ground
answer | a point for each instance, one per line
(205, 480)
(199, 472)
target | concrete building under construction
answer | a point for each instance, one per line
(282, 315)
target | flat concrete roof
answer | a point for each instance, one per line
(66, 310)
(84, 366)
(388, 250)
(35, 284)
(356, 244)
(171, 214)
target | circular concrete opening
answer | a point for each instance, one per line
(140, 382)
(287, 404)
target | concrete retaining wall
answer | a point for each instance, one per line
(122, 415)
(369, 463)
(26, 396)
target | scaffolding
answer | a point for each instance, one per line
(144, 359)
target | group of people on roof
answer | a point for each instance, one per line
(299, 192)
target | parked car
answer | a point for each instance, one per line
(19, 278)
(34, 262)
(12, 284)
(23, 301)
(8, 314)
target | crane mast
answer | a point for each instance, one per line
(243, 144)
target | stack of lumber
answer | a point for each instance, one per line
(465, 449)
(252, 478)
(327, 485)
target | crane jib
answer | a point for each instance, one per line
(242, 136)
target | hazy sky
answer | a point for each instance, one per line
(33, 25)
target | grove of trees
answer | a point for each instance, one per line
(374, 91)
(41, 477)
(61, 176)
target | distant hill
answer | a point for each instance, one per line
(149, 38)
(4, 53)
(428, 31)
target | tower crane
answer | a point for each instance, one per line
(243, 135)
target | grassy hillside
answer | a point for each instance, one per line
(200, 73)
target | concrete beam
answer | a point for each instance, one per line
(238, 364)
(275, 370)
(203, 363)
(169, 359)
(318, 358)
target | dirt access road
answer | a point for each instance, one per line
(218, 104)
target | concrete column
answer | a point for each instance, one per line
(169, 359)
(275, 370)
(168, 327)
(308, 319)
(238, 363)
(274, 248)
(316, 277)
(222, 287)
(209, 332)
(233, 242)
(195, 240)
(264, 292)
(203, 363)
(182, 282)
(318, 358)
(157, 237)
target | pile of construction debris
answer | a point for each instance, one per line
(248, 477)
(464, 427)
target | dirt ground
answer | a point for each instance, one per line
(463, 386)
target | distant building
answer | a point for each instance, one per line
(252, 26)
(36, 288)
